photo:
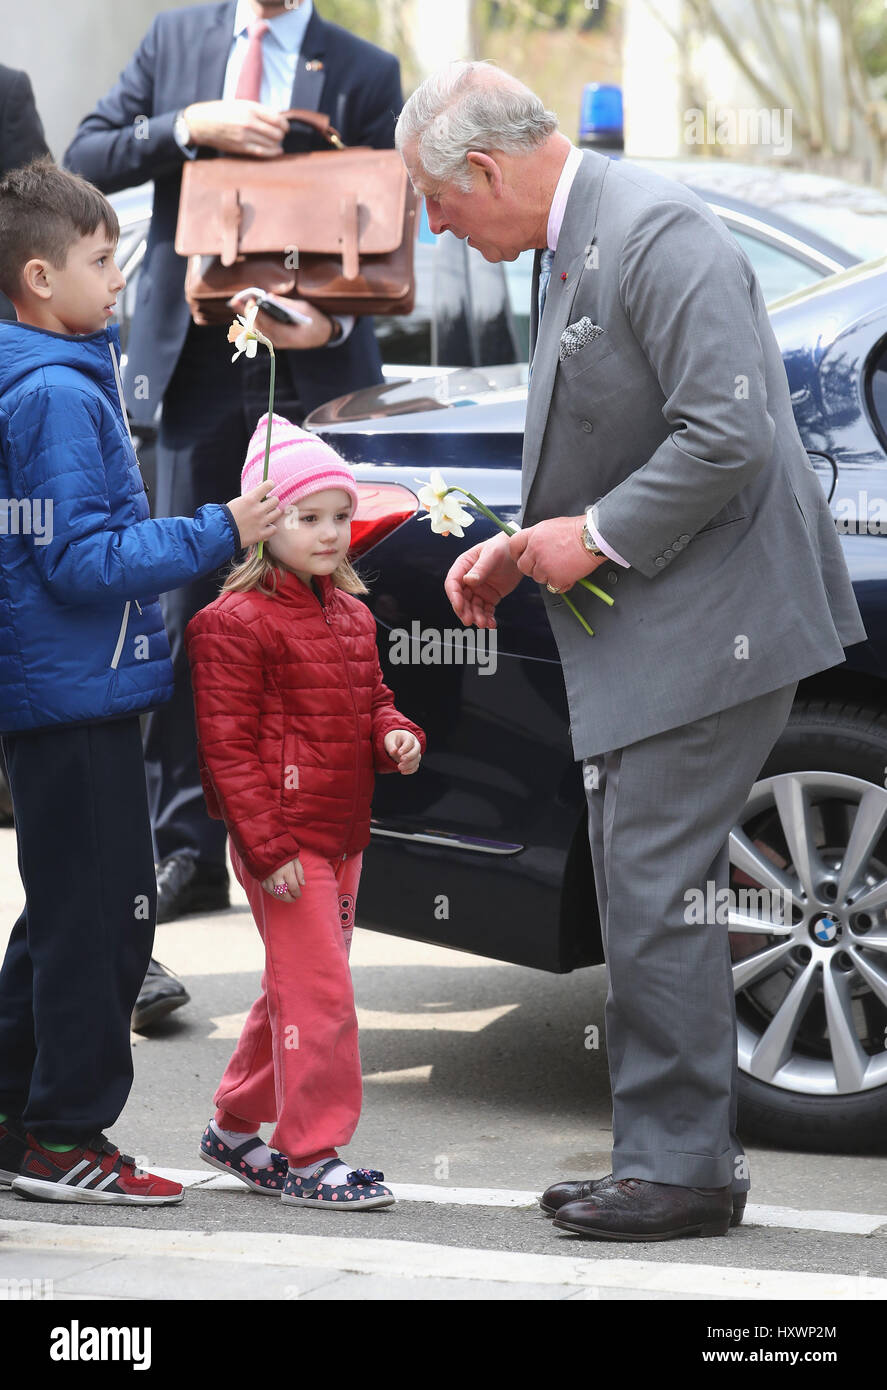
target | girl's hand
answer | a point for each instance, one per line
(404, 748)
(292, 875)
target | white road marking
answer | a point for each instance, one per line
(416, 1260)
(406, 1074)
(453, 1021)
(854, 1223)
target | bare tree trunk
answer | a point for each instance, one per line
(709, 18)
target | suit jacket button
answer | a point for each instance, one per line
(660, 561)
(587, 426)
(612, 576)
(669, 554)
(684, 540)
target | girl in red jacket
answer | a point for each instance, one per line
(293, 721)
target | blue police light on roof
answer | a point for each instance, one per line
(600, 121)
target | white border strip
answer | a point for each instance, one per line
(851, 1223)
(416, 1260)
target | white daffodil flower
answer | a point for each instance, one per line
(247, 337)
(446, 514)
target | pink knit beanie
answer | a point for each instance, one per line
(299, 463)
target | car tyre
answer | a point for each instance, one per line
(830, 759)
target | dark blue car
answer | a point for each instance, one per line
(487, 850)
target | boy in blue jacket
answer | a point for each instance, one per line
(83, 652)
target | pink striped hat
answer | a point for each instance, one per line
(299, 463)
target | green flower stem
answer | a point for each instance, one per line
(268, 435)
(510, 530)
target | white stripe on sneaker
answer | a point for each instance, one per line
(106, 1182)
(72, 1172)
(88, 1177)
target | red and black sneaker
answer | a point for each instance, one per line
(12, 1150)
(96, 1172)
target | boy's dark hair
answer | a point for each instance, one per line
(44, 210)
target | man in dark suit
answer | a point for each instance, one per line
(21, 135)
(208, 79)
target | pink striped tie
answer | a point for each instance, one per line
(249, 83)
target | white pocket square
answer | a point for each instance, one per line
(576, 335)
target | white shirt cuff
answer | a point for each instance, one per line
(347, 322)
(599, 540)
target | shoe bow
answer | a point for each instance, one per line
(365, 1175)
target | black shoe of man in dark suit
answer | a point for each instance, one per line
(560, 1193)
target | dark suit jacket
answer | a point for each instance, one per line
(21, 135)
(182, 60)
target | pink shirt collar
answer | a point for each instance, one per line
(561, 194)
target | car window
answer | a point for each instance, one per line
(779, 272)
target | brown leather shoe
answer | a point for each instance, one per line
(634, 1209)
(557, 1196)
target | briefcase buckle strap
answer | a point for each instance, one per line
(230, 215)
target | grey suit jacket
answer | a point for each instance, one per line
(677, 417)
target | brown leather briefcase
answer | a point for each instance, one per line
(335, 227)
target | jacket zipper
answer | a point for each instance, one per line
(344, 856)
(119, 384)
(119, 648)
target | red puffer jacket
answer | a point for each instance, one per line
(291, 713)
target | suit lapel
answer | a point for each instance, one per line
(576, 238)
(309, 79)
(214, 52)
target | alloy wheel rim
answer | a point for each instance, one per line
(811, 982)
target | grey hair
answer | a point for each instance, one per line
(453, 112)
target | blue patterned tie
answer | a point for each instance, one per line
(545, 261)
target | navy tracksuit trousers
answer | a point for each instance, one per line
(78, 953)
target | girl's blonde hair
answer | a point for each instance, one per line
(265, 574)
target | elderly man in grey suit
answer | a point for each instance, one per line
(660, 450)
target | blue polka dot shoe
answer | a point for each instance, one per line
(361, 1191)
(220, 1155)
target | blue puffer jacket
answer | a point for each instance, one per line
(81, 562)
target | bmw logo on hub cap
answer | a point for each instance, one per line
(825, 929)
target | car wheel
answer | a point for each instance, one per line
(811, 981)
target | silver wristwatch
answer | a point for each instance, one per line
(181, 131)
(590, 545)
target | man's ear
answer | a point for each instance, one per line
(35, 278)
(491, 171)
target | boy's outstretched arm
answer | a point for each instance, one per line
(53, 447)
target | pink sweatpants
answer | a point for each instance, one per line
(297, 1060)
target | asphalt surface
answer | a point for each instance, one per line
(476, 1075)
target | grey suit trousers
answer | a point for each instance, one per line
(660, 812)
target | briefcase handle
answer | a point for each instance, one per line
(317, 121)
